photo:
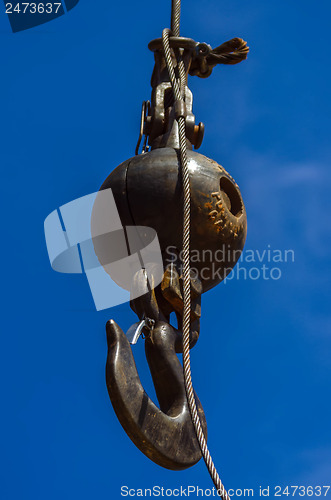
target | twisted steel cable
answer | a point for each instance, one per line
(179, 94)
(175, 17)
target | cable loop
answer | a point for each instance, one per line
(231, 52)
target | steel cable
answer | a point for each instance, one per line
(175, 17)
(179, 95)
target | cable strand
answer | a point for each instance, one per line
(175, 17)
(179, 94)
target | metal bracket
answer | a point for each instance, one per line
(158, 117)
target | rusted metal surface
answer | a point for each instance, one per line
(147, 191)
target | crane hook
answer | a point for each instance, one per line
(165, 435)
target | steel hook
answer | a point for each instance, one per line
(165, 435)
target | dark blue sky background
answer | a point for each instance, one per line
(71, 96)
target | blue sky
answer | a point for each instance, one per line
(71, 96)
